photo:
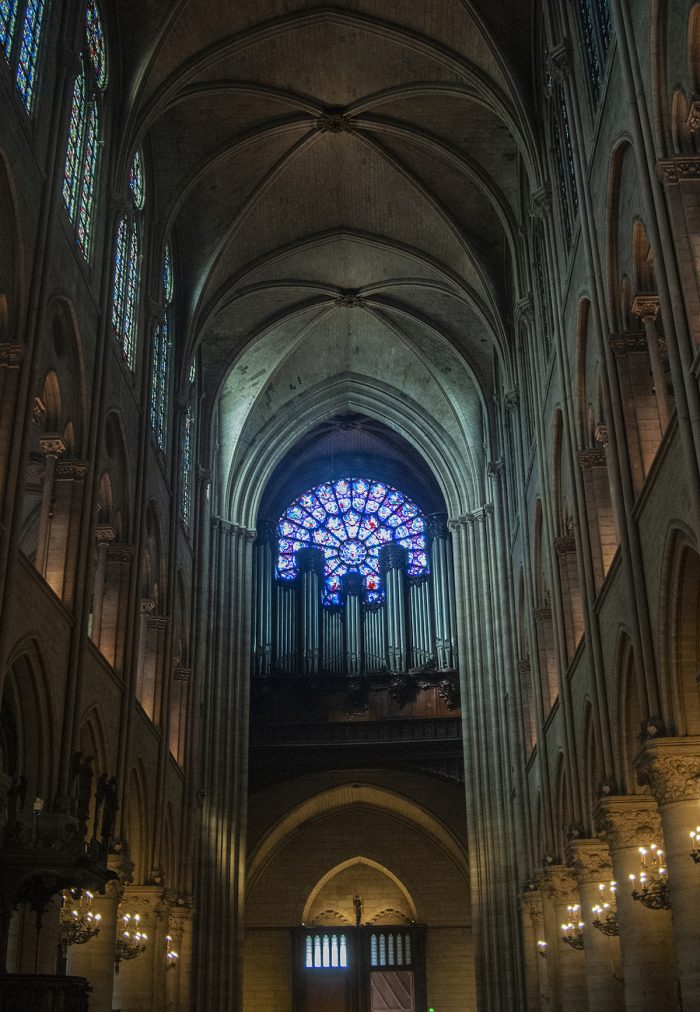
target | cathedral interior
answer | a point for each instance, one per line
(349, 506)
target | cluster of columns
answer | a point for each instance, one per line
(414, 625)
(652, 961)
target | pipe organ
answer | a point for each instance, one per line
(409, 625)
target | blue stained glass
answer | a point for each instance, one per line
(590, 45)
(8, 13)
(186, 493)
(87, 189)
(126, 284)
(29, 50)
(159, 383)
(136, 182)
(168, 285)
(605, 23)
(350, 521)
(561, 179)
(74, 151)
(94, 36)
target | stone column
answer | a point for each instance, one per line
(532, 923)
(178, 977)
(646, 941)
(647, 307)
(392, 560)
(139, 986)
(264, 576)
(104, 536)
(11, 359)
(562, 889)
(52, 446)
(671, 767)
(95, 959)
(592, 865)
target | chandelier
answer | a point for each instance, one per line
(78, 924)
(653, 879)
(695, 837)
(171, 956)
(605, 911)
(542, 948)
(131, 941)
(573, 930)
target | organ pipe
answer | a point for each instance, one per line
(392, 561)
(443, 590)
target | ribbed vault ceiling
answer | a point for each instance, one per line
(342, 184)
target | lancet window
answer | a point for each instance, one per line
(21, 48)
(186, 490)
(564, 162)
(160, 365)
(595, 19)
(127, 264)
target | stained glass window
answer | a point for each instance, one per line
(74, 155)
(87, 189)
(136, 184)
(186, 494)
(564, 163)
(94, 37)
(126, 284)
(193, 372)
(596, 28)
(161, 360)
(8, 14)
(350, 520)
(29, 50)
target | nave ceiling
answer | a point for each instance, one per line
(343, 186)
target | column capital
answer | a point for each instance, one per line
(565, 546)
(559, 881)
(74, 470)
(496, 469)
(560, 61)
(11, 355)
(455, 523)
(182, 674)
(524, 309)
(601, 435)
(52, 444)
(438, 525)
(646, 306)
(672, 171)
(531, 900)
(105, 534)
(627, 821)
(591, 861)
(158, 622)
(671, 768)
(121, 553)
(626, 344)
(541, 205)
(694, 115)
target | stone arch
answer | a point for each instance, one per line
(26, 725)
(680, 632)
(181, 672)
(629, 712)
(11, 257)
(562, 805)
(137, 824)
(399, 890)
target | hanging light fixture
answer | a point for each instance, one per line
(695, 837)
(542, 948)
(573, 930)
(171, 956)
(131, 941)
(653, 879)
(605, 912)
(78, 924)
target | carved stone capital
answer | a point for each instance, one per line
(672, 171)
(147, 606)
(627, 821)
(560, 883)
(671, 768)
(11, 355)
(105, 534)
(591, 458)
(694, 115)
(438, 526)
(182, 674)
(560, 61)
(524, 310)
(541, 202)
(511, 400)
(542, 614)
(531, 900)
(455, 523)
(628, 344)
(601, 435)
(646, 307)
(591, 861)
(52, 444)
(564, 546)
(524, 667)
(496, 469)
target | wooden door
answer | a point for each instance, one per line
(392, 991)
(327, 991)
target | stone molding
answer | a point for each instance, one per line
(542, 614)
(541, 207)
(52, 444)
(628, 821)
(182, 674)
(120, 553)
(531, 900)
(628, 344)
(560, 61)
(105, 534)
(694, 115)
(496, 469)
(646, 307)
(73, 470)
(672, 171)
(671, 768)
(158, 622)
(601, 435)
(592, 457)
(565, 546)
(334, 121)
(591, 861)
(11, 355)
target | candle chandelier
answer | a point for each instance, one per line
(605, 911)
(653, 879)
(695, 837)
(78, 923)
(131, 941)
(573, 929)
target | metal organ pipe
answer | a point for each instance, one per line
(443, 590)
(392, 561)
